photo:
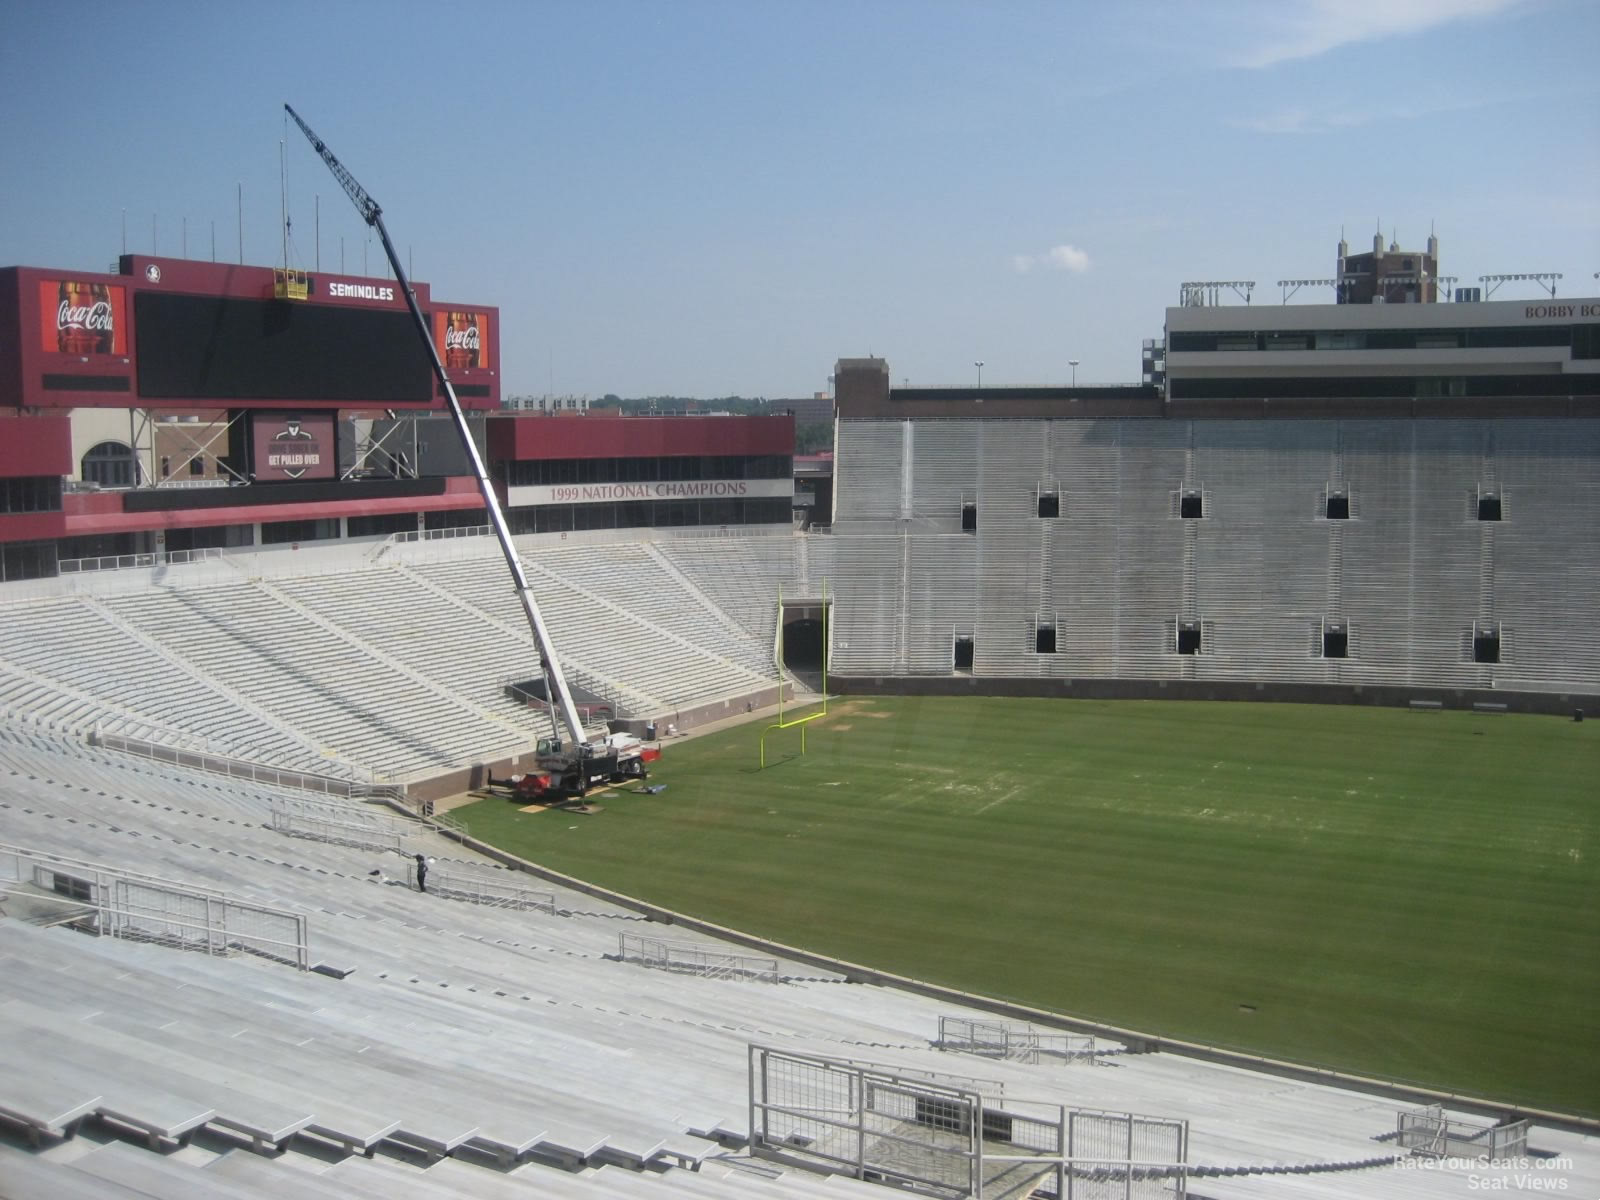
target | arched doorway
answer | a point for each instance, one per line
(109, 464)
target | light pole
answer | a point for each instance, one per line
(979, 364)
(1073, 363)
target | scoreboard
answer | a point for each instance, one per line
(222, 348)
(177, 333)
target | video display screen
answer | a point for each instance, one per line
(221, 348)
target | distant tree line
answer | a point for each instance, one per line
(811, 437)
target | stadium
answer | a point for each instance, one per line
(1204, 756)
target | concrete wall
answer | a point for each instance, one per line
(1183, 689)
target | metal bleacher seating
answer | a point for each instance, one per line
(627, 577)
(354, 703)
(78, 664)
(387, 672)
(868, 471)
(743, 577)
(428, 630)
(653, 668)
(1546, 559)
(1262, 547)
(1409, 571)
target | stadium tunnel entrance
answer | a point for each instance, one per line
(802, 627)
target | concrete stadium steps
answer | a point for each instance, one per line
(66, 765)
(423, 1081)
(479, 1031)
(212, 1169)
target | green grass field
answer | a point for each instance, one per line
(1409, 895)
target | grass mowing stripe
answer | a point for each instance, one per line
(1410, 895)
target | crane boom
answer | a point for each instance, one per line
(555, 680)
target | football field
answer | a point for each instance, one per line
(1411, 895)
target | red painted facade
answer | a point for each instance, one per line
(71, 340)
(39, 445)
(525, 439)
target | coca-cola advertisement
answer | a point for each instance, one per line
(462, 338)
(83, 318)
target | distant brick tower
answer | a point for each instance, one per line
(1392, 276)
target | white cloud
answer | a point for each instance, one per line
(1313, 27)
(1287, 120)
(1067, 258)
(1297, 119)
(1058, 258)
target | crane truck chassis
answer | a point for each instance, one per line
(564, 773)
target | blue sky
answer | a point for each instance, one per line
(706, 198)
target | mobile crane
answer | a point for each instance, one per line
(564, 767)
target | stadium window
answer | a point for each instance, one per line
(1485, 643)
(166, 466)
(1337, 507)
(997, 1126)
(30, 493)
(109, 464)
(381, 525)
(1489, 506)
(963, 654)
(277, 533)
(1586, 341)
(1188, 637)
(969, 516)
(1191, 504)
(72, 887)
(1340, 340)
(455, 519)
(938, 1113)
(27, 560)
(1044, 638)
(1288, 341)
(217, 537)
(197, 466)
(1335, 639)
(1049, 504)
